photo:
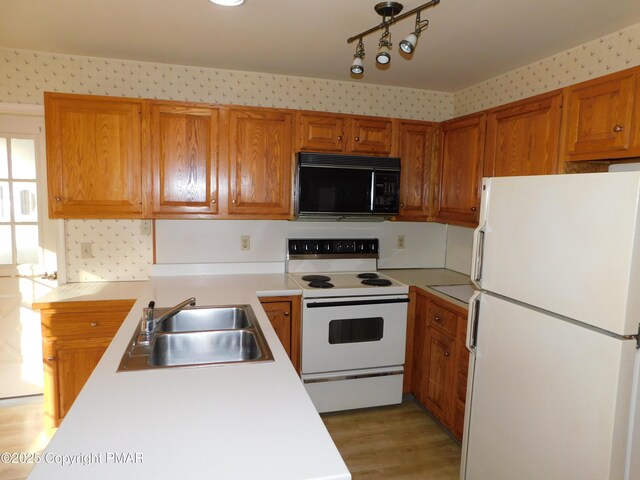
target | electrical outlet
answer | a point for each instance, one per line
(85, 250)
(245, 242)
(400, 242)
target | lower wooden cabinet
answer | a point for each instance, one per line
(440, 359)
(74, 337)
(284, 314)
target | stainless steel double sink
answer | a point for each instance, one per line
(200, 336)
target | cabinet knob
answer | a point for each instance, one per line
(437, 318)
(357, 139)
(286, 314)
(213, 201)
(50, 359)
(339, 138)
(473, 209)
(446, 354)
(233, 201)
(93, 324)
(57, 198)
(618, 128)
(402, 205)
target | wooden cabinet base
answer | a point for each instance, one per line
(284, 314)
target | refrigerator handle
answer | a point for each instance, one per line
(478, 256)
(472, 321)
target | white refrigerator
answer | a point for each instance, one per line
(553, 330)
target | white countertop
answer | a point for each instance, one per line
(236, 421)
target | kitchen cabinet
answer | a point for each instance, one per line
(416, 151)
(93, 156)
(461, 164)
(182, 149)
(522, 138)
(440, 359)
(329, 132)
(74, 337)
(602, 118)
(260, 162)
(284, 314)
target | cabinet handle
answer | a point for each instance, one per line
(213, 201)
(446, 354)
(233, 201)
(57, 198)
(93, 324)
(437, 318)
(618, 128)
(286, 314)
(50, 359)
(357, 139)
(339, 138)
(402, 205)
(473, 209)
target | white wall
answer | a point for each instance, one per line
(218, 241)
(459, 247)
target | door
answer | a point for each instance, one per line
(347, 334)
(564, 243)
(416, 155)
(371, 136)
(320, 132)
(28, 249)
(549, 399)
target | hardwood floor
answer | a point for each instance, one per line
(22, 430)
(394, 442)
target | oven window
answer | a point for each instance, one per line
(353, 330)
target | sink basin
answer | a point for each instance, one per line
(205, 318)
(195, 348)
(197, 337)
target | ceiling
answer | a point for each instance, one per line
(467, 42)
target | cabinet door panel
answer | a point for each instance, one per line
(184, 143)
(279, 314)
(524, 139)
(416, 152)
(371, 136)
(93, 156)
(261, 162)
(321, 133)
(440, 373)
(599, 117)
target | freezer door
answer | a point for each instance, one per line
(549, 399)
(569, 244)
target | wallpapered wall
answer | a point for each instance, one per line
(607, 54)
(122, 252)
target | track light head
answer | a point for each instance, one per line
(383, 57)
(409, 44)
(356, 66)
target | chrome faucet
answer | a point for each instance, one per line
(149, 323)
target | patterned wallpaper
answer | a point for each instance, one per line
(120, 249)
(25, 75)
(607, 54)
(122, 252)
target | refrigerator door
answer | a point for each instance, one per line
(569, 244)
(548, 399)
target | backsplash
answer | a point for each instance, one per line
(120, 249)
(27, 74)
(607, 54)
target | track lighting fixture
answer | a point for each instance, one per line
(389, 12)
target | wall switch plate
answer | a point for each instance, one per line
(400, 242)
(85, 250)
(245, 242)
(145, 227)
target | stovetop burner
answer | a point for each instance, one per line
(320, 284)
(316, 278)
(367, 275)
(376, 282)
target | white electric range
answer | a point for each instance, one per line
(353, 323)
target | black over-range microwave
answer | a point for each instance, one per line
(343, 186)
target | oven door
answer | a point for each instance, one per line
(353, 333)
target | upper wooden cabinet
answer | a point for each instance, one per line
(328, 132)
(183, 150)
(93, 156)
(461, 163)
(522, 138)
(416, 149)
(602, 118)
(260, 168)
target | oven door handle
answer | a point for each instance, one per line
(348, 303)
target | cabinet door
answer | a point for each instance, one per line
(461, 160)
(416, 156)
(93, 156)
(260, 162)
(599, 118)
(284, 314)
(320, 133)
(440, 369)
(69, 363)
(371, 136)
(184, 159)
(523, 139)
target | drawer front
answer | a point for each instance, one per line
(442, 319)
(104, 323)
